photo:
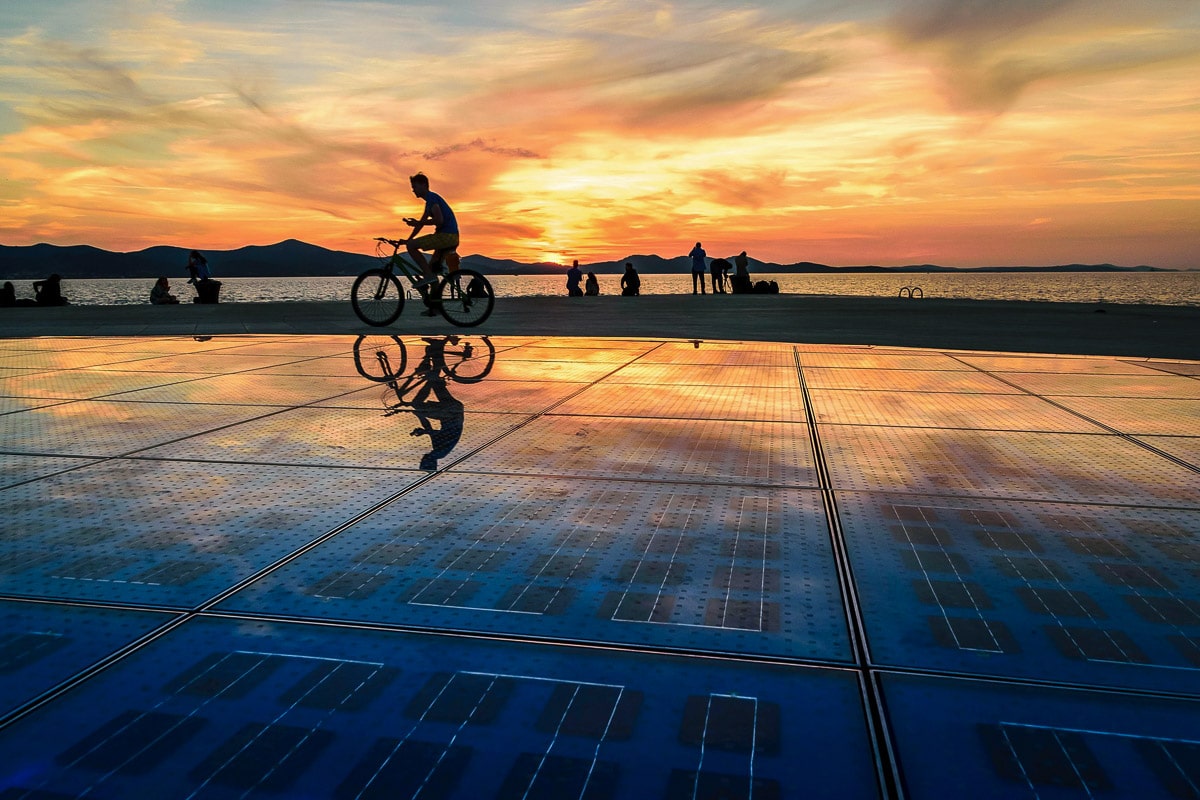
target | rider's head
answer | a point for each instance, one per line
(420, 184)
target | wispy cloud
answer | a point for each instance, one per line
(989, 53)
(851, 131)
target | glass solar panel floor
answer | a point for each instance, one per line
(459, 567)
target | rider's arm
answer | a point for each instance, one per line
(431, 214)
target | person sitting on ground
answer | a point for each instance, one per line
(207, 289)
(739, 283)
(631, 282)
(161, 295)
(8, 294)
(437, 212)
(197, 268)
(49, 292)
(574, 276)
(592, 287)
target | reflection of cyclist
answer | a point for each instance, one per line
(437, 212)
(443, 408)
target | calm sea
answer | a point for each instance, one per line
(1161, 288)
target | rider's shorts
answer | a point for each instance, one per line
(436, 241)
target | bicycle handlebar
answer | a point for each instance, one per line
(392, 242)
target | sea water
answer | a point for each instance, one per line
(1159, 288)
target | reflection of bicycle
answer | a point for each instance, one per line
(425, 392)
(465, 359)
(463, 296)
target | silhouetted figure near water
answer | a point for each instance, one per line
(8, 295)
(739, 283)
(161, 295)
(718, 268)
(49, 292)
(574, 276)
(207, 289)
(197, 268)
(592, 287)
(631, 282)
(698, 267)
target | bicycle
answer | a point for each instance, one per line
(463, 296)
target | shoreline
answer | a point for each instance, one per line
(1122, 330)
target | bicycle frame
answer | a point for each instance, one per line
(463, 296)
(396, 261)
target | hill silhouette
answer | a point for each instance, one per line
(293, 258)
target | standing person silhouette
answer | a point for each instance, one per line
(698, 267)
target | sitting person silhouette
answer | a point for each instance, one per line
(739, 282)
(574, 275)
(631, 282)
(207, 289)
(592, 287)
(161, 295)
(49, 292)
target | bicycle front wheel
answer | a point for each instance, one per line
(377, 297)
(380, 358)
(466, 298)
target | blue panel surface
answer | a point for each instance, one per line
(228, 708)
(454, 566)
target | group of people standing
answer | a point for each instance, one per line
(739, 282)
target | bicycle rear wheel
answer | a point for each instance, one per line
(466, 298)
(471, 360)
(377, 297)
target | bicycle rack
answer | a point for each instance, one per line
(910, 292)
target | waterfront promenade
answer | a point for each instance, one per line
(1074, 328)
(765, 552)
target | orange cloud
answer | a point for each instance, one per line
(602, 129)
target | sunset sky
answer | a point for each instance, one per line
(959, 132)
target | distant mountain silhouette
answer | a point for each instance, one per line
(292, 258)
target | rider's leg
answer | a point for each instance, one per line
(415, 253)
(437, 261)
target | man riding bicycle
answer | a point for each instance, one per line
(438, 213)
